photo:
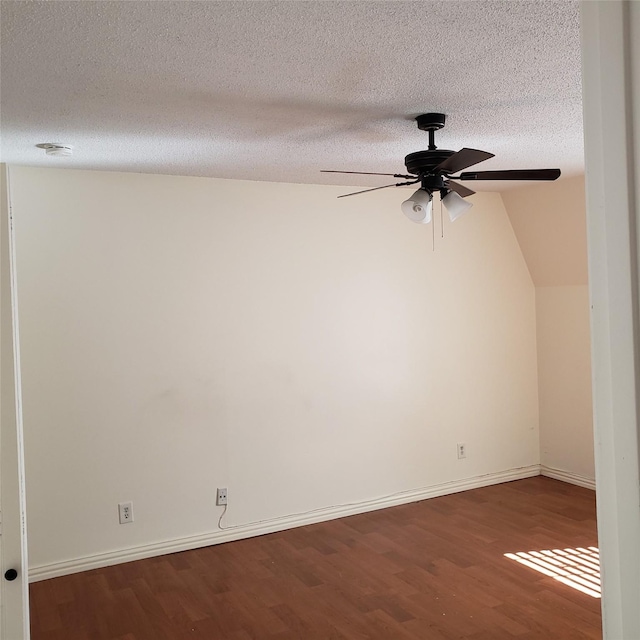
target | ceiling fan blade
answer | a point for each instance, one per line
(463, 159)
(460, 189)
(355, 193)
(397, 184)
(514, 174)
(368, 173)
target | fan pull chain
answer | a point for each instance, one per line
(433, 236)
(441, 221)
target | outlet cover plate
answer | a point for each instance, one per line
(125, 512)
(221, 497)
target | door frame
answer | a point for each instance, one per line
(611, 103)
(14, 595)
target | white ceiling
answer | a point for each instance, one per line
(277, 91)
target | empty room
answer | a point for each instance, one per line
(318, 320)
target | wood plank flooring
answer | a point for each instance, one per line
(431, 570)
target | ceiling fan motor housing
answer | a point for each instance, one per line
(423, 162)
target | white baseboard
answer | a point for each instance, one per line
(567, 476)
(96, 561)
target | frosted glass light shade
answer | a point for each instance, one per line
(418, 207)
(455, 205)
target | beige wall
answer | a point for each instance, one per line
(549, 221)
(564, 379)
(182, 334)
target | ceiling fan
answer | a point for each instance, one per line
(433, 167)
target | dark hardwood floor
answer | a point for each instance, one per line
(430, 570)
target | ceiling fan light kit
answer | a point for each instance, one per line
(433, 167)
(455, 205)
(419, 207)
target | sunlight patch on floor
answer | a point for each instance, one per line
(578, 568)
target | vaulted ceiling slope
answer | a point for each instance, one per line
(279, 90)
(550, 223)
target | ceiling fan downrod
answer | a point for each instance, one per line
(431, 122)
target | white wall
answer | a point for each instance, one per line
(182, 334)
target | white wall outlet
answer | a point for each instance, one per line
(462, 450)
(221, 497)
(125, 511)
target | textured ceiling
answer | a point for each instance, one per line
(279, 90)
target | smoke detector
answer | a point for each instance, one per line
(56, 149)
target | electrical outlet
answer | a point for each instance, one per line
(462, 450)
(125, 511)
(221, 497)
